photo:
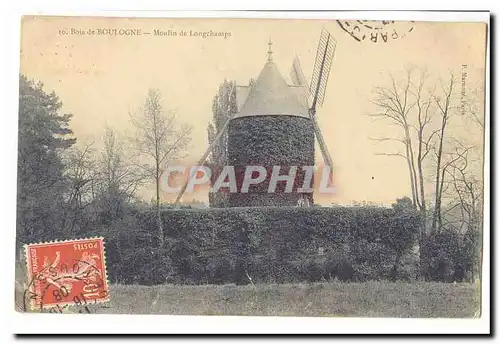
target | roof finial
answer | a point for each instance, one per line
(270, 52)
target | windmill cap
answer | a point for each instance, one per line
(271, 95)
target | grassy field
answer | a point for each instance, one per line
(335, 299)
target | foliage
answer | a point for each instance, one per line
(449, 257)
(43, 134)
(223, 107)
(270, 141)
(258, 244)
(274, 244)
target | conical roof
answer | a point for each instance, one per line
(271, 95)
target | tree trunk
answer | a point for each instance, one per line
(412, 166)
(412, 180)
(437, 210)
(423, 206)
(394, 271)
(439, 215)
(158, 212)
(421, 243)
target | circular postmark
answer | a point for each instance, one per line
(51, 291)
(376, 31)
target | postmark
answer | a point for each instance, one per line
(65, 273)
(376, 31)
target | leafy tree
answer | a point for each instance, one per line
(223, 106)
(43, 133)
(471, 255)
(442, 251)
(403, 231)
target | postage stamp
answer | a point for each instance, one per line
(71, 272)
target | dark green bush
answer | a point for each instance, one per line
(288, 244)
(266, 244)
(449, 256)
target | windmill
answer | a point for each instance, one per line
(272, 97)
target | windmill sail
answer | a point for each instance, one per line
(324, 58)
(319, 80)
(203, 159)
(299, 81)
(296, 73)
(322, 144)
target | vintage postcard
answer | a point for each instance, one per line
(261, 167)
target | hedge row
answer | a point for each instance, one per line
(271, 244)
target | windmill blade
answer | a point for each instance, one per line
(296, 73)
(299, 80)
(322, 144)
(203, 159)
(322, 66)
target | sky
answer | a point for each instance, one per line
(102, 78)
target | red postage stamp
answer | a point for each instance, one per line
(64, 273)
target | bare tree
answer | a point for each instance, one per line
(466, 188)
(466, 195)
(80, 174)
(408, 105)
(424, 136)
(423, 111)
(117, 177)
(115, 186)
(445, 109)
(394, 104)
(414, 107)
(158, 139)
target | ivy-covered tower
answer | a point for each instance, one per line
(272, 128)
